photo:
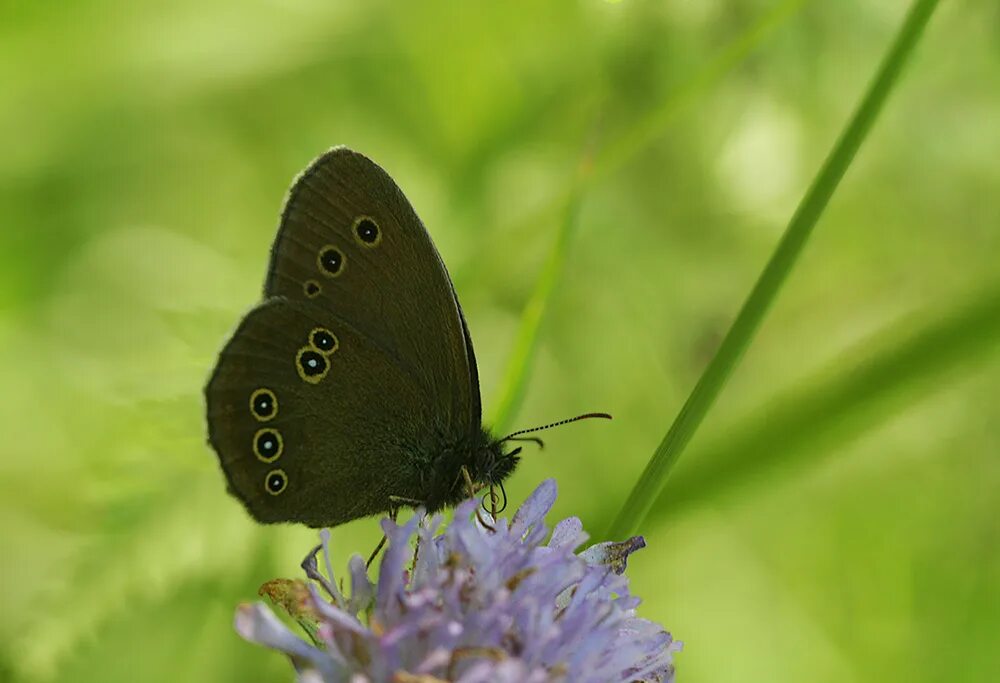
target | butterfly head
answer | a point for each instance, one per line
(493, 462)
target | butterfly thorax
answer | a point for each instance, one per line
(483, 458)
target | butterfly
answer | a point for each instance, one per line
(353, 385)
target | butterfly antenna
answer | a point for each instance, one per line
(514, 436)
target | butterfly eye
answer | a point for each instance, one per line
(268, 445)
(367, 232)
(311, 365)
(311, 289)
(331, 261)
(263, 404)
(323, 340)
(275, 482)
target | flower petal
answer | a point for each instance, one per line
(256, 623)
(534, 509)
(613, 555)
(362, 589)
(473, 604)
(568, 534)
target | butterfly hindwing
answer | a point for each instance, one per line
(349, 241)
(312, 419)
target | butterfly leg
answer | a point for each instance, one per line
(469, 486)
(472, 492)
(378, 549)
(395, 504)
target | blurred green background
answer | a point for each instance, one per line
(836, 517)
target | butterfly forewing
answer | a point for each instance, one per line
(349, 241)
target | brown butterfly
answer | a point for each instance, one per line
(353, 386)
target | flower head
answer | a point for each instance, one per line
(474, 604)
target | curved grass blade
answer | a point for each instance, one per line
(653, 478)
(856, 393)
(616, 155)
(526, 341)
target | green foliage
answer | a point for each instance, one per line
(771, 280)
(896, 369)
(518, 371)
(835, 516)
(643, 132)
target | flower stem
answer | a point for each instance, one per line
(738, 339)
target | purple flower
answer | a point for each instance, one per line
(473, 605)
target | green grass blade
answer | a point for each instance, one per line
(614, 156)
(518, 369)
(858, 391)
(653, 478)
